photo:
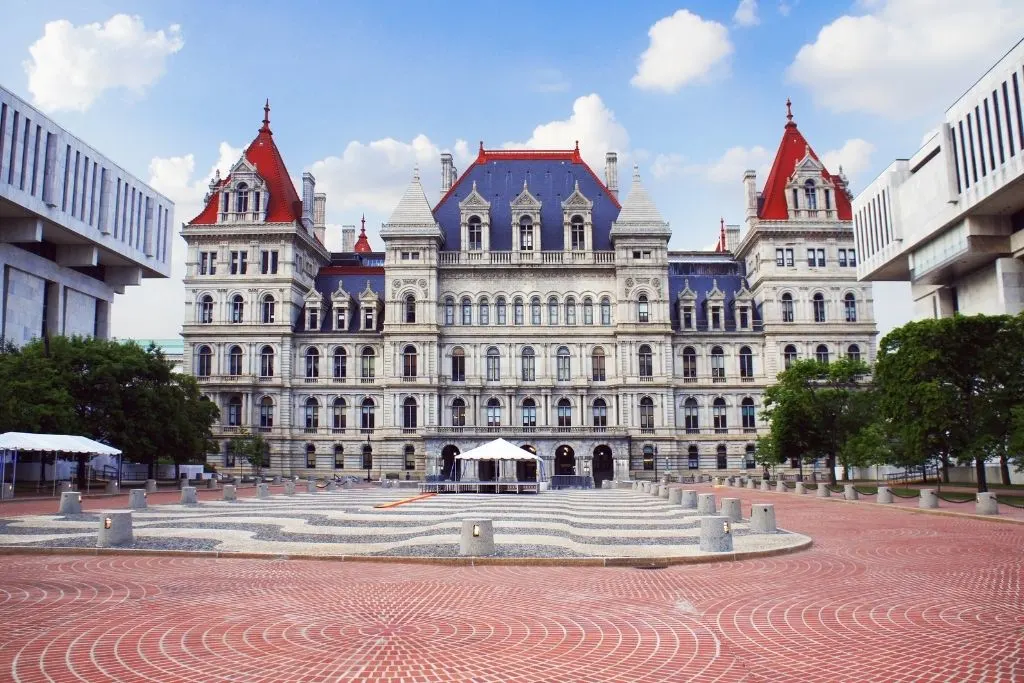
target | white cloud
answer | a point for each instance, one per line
(746, 13)
(71, 66)
(785, 7)
(729, 168)
(591, 123)
(854, 157)
(902, 58)
(666, 165)
(684, 49)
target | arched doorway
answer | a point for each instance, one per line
(526, 470)
(565, 460)
(449, 470)
(604, 467)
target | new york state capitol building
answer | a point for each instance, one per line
(533, 302)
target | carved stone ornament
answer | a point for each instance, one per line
(629, 282)
(422, 282)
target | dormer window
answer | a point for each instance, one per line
(475, 233)
(578, 234)
(687, 317)
(811, 194)
(744, 317)
(368, 318)
(526, 234)
(341, 319)
(313, 318)
(241, 198)
(716, 317)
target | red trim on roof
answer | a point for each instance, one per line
(362, 245)
(351, 270)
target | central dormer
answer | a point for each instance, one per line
(244, 196)
(526, 221)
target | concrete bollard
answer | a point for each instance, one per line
(263, 490)
(211, 483)
(800, 488)
(688, 500)
(65, 486)
(928, 499)
(112, 487)
(258, 480)
(348, 484)
(884, 495)
(115, 529)
(289, 488)
(717, 481)
(751, 485)
(137, 499)
(780, 486)
(70, 503)
(7, 491)
(663, 493)
(762, 518)
(986, 504)
(766, 485)
(477, 537)
(277, 480)
(706, 503)
(188, 495)
(311, 486)
(230, 492)
(675, 496)
(607, 484)
(823, 490)
(151, 485)
(715, 534)
(731, 509)
(636, 485)
(331, 486)
(850, 493)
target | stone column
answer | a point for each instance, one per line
(675, 496)
(800, 488)
(780, 486)
(115, 529)
(928, 500)
(850, 493)
(289, 488)
(188, 495)
(986, 504)
(731, 509)
(137, 499)
(262, 490)
(715, 534)
(688, 500)
(477, 538)
(151, 485)
(230, 492)
(823, 490)
(762, 518)
(706, 503)
(884, 494)
(70, 503)
(765, 486)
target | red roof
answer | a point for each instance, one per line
(285, 205)
(362, 245)
(791, 150)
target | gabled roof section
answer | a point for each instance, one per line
(413, 209)
(285, 205)
(639, 216)
(792, 150)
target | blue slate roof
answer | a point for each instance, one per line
(550, 181)
(702, 273)
(353, 279)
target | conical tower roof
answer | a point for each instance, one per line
(639, 215)
(413, 209)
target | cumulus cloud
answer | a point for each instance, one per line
(854, 157)
(901, 58)
(591, 123)
(729, 168)
(684, 49)
(746, 13)
(666, 165)
(71, 66)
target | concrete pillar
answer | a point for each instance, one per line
(137, 499)
(717, 481)
(211, 483)
(115, 529)
(230, 492)
(289, 488)
(636, 485)
(7, 491)
(331, 486)
(310, 486)
(477, 537)
(706, 503)
(985, 504)
(823, 490)
(780, 486)
(731, 509)
(663, 493)
(884, 494)
(800, 488)
(675, 496)
(688, 500)
(715, 534)
(263, 490)
(151, 485)
(928, 499)
(850, 493)
(112, 487)
(188, 495)
(762, 518)
(765, 485)
(751, 484)
(70, 503)
(277, 479)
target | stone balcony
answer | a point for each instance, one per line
(463, 259)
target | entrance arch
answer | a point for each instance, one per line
(526, 470)
(448, 463)
(604, 466)
(565, 460)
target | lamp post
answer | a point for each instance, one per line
(367, 450)
(655, 463)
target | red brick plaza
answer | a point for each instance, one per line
(884, 595)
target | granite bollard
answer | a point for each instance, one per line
(762, 518)
(137, 499)
(262, 490)
(688, 500)
(675, 496)
(717, 481)
(311, 486)
(115, 529)
(823, 490)
(289, 488)
(715, 534)
(928, 499)
(766, 485)
(800, 488)
(188, 495)
(151, 485)
(112, 487)
(70, 503)
(276, 479)
(211, 483)
(230, 492)
(850, 493)
(780, 486)
(986, 504)
(663, 493)
(6, 491)
(751, 484)
(331, 486)
(477, 537)
(706, 503)
(884, 495)
(731, 509)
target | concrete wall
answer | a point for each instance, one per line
(23, 296)
(79, 313)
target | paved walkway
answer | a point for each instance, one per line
(884, 595)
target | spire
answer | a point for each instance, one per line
(721, 246)
(789, 114)
(639, 211)
(413, 208)
(363, 244)
(362, 223)
(266, 118)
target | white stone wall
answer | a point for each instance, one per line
(23, 309)
(79, 313)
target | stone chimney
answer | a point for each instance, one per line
(447, 173)
(732, 237)
(308, 185)
(611, 173)
(320, 216)
(348, 239)
(750, 195)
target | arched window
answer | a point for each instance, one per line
(552, 311)
(646, 362)
(367, 415)
(693, 458)
(748, 415)
(691, 416)
(310, 455)
(493, 362)
(588, 311)
(493, 413)
(718, 416)
(577, 234)
(818, 302)
(564, 409)
(410, 309)
(467, 311)
(266, 413)
(821, 353)
(606, 311)
(529, 414)
(746, 363)
(268, 309)
(517, 314)
(266, 362)
(458, 413)
(339, 418)
(458, 365)
(409, 452)
(563, 364)
(339, 456)
(499, 311)
(597, 365)
(206, 309)
(241, 198)
(409, 362)
(449, 311)
(811, 195)
(475, 233)
(721, 457)
(600, 414)
(340, 364)
(312, 363)
(204, 361)
(525, 234)
(235, 411)
(647, 415)
(369, 359)
(642, 311)
(648, 457)
(237, 309)
(570, 311)
(850, 306)
(717, 364)
(484, 312)
(788, 356)
(235, 361)
(689, 364)
(853, 352)
(529, 362)
(409, 410)
(787, 308)
(312, 414)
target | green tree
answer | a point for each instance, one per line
(253, 447)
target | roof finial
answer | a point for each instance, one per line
(481, 145)
(789, 113)
(636, 173)
(577, 146)
(416, 173)
(266, 117)
(362, 223)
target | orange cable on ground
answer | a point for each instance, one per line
(403, 501)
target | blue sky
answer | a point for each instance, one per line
(694, 92)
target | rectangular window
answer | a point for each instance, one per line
(500, 311)
(273, 262)
(597, 361)
(780, 260)
(688, 317)
(367, 318)
(828, 200)
(458, 368)
(233, 269)
(493, 368)
(314, 319)
(204, 264)
(243, 262)
(811, 258)
(529, 367)
(789, 258)
(852, 253)
(744, 318)
(821, 258)
(716, 317)
(842, 258)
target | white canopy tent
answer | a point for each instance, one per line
(13, 442)
(499, 449)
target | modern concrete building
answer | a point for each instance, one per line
(75, 229)
(950, 219)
